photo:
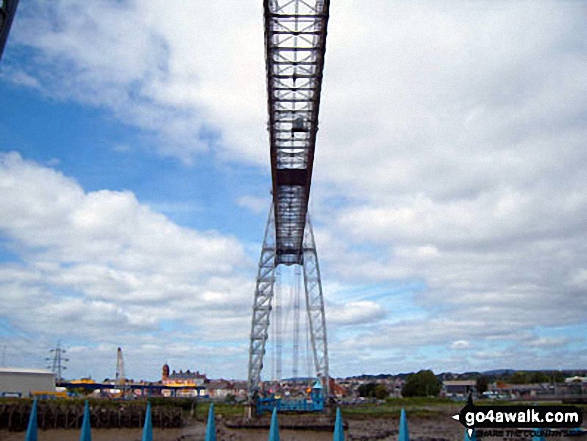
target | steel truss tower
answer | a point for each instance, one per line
(262, 306)
(295, 44)
(58, 361)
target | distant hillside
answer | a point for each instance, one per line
(494, 374)
(499, 372)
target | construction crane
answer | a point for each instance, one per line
(7, 11)
(295, 43)
(120, 375)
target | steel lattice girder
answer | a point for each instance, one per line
(295, 41)
(262, 306)
(315, 307)
(7, 11)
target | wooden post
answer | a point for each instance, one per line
(44, 417)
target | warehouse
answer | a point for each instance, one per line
(19, 382)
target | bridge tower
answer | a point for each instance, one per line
(295, 44)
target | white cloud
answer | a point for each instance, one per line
(457, 141)
(23, 79)
(50, 214)
(548, 342)
(121, 148)
(450, 152)
(255, 204)
(101, 263)
(460, 344)
(181, 73)
(355, 313)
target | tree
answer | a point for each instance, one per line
(557, 376)
(482, 384)
(367, 390)
(539, 377)
(519, 377)
(421, 384)
(380, 392)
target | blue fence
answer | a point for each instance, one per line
(313, 402)
(86, 431)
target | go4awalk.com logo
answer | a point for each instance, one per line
(519, 417)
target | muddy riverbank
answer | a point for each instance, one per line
(437, 426)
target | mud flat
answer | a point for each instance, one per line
(374, 430)
(307, 422)
(436, 426)
(109, 434)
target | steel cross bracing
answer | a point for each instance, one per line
(295, 41)
(262, 306)
(7, 11)
(315, 307)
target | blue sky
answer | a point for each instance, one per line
(99, 152)
(448, 198)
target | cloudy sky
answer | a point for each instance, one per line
(449, 196)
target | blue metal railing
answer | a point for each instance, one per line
(338, 435)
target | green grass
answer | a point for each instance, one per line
(387, 412)
(224, 409)
(391, 408)
(420, 401)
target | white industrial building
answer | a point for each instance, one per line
(22, 382)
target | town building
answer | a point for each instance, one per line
(221, 389)
(576, 379)
(458, 388)
(195, 383)
(19, 382)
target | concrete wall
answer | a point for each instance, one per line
(24, 381)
